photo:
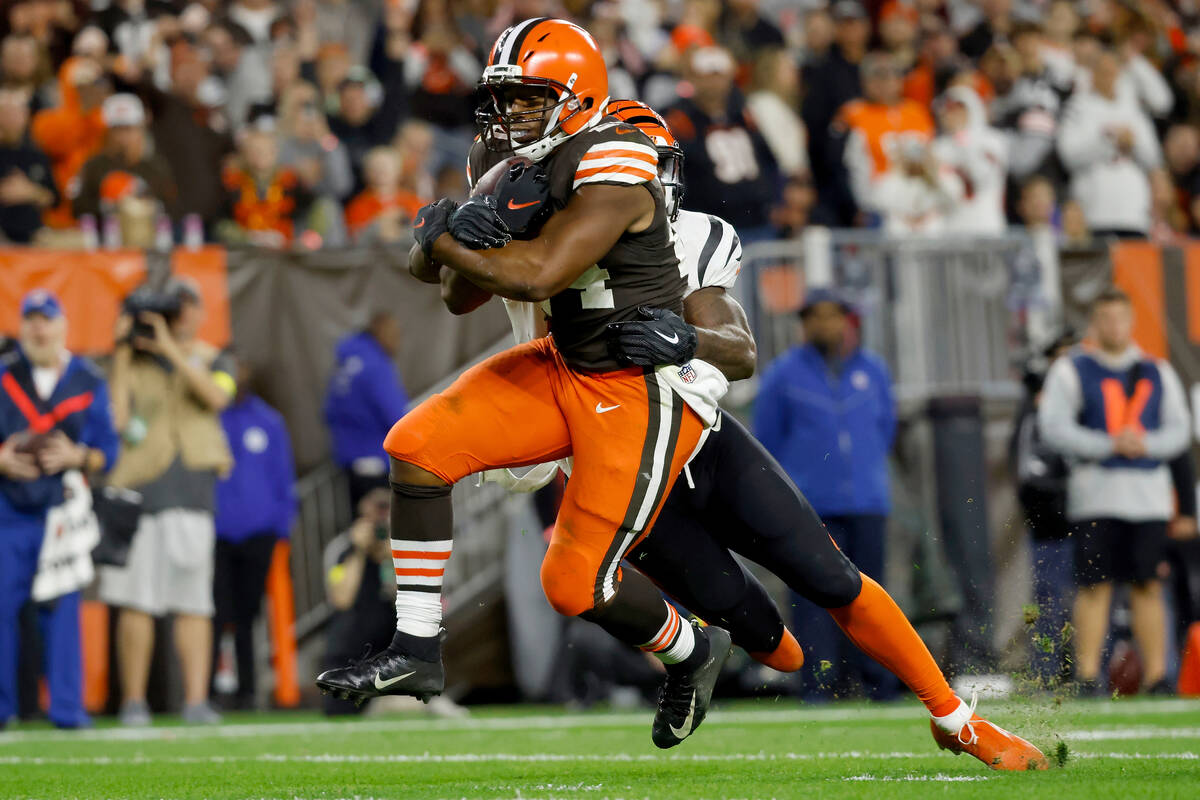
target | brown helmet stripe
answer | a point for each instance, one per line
(508, 46)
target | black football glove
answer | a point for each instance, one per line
(432, 221)
(523, 199)
(658, 337)
(476, 226)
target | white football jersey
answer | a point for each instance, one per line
(710, 255)
(708, 249)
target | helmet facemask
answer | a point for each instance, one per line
(670, 175)
(524, 115)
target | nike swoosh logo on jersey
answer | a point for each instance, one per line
(601, 408)
(420, 224)
(673, 338)
(684, 730)
(381, 685)
(519, 206)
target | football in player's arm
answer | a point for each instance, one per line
(533, 270)
(716, 329)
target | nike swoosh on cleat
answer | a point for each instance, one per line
(601, 408)
(673, 338)
(381, 685)
(420, 224)
(518, 206)
(686, 729)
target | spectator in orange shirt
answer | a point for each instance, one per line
(73, 132)
(876, 125)
(381, 213)
(266, 201)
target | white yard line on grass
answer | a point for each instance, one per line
(531, 758)
(550, 722)
(940, 777)
(443, 758)
(1131, 734)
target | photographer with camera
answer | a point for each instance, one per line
(168, 389)
(55, 426)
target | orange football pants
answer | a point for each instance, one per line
(629, 433)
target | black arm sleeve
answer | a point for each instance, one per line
(1183, 478)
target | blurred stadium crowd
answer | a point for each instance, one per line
(324, 123)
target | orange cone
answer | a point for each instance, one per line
(1189, 669)
(281, 614)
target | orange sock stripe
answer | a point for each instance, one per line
(659, 644)
(419, 554)
(656, 643)
(672, 627)
(431, 573)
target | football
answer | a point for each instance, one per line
(490, 180)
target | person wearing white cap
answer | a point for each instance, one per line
(127, 166)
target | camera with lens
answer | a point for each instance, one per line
(168, 302)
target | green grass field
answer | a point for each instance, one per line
(1125, 749)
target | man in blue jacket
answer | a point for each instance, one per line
(256, 506)
(364, 400)
(825, 411)
(55, 425)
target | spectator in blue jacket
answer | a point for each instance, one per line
(825, 411)
(365, 398)
(55, 426)
(256, 506)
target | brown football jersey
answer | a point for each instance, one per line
(641, 269)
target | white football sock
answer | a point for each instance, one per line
(420, 567)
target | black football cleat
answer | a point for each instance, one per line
(390, 671)
(684, 698)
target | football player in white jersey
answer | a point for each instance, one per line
(739, 499)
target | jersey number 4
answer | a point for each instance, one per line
(593, 288)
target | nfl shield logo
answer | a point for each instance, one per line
(687, 374)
